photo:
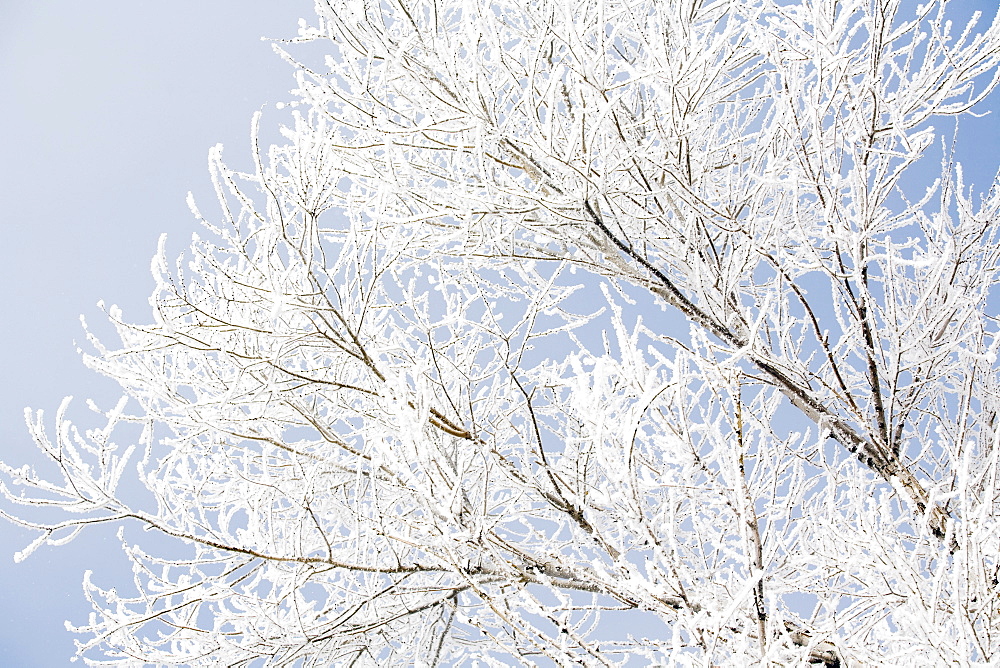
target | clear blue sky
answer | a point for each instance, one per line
(108, 112)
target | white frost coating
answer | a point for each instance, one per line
(580, 334)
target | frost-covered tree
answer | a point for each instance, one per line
(606, 332)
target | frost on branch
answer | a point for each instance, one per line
(569, 334)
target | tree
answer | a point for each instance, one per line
(568, 334)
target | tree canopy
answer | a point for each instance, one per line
(604, 333)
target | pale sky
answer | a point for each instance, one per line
(109, 109)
